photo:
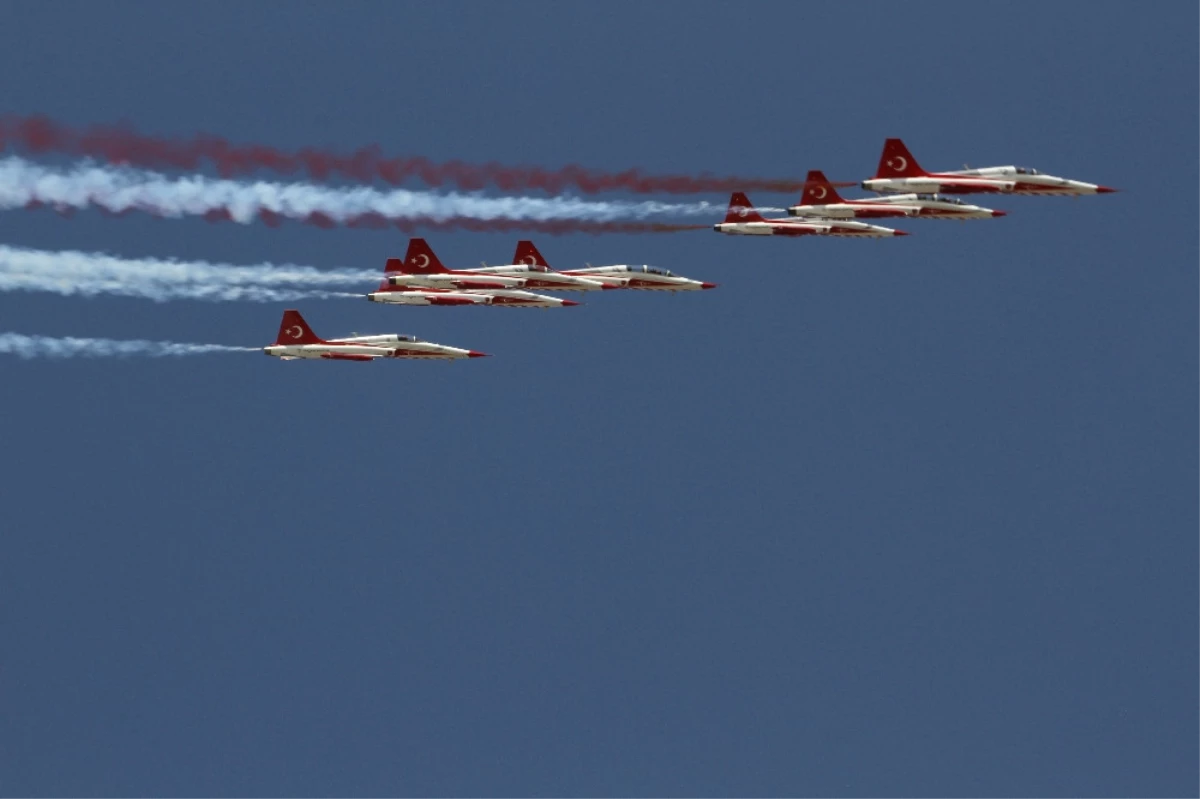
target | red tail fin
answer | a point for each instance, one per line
(898, 162)
(818, 190)
(528, 254)
(420, 260)
(741, 210)
(294, 330)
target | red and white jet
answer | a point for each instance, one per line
(398, 287)
(899, 172)
(421, 268)
(297, 340)
(649, 278)
(742, 220)
(821, 199)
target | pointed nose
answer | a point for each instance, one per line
(475, 354)
(900, 233)
(569, 302)
(999, 213)
(1104, 190)
(708, 285)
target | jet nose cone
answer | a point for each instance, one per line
(474, 354)
(569, 302)
(999, 213)
(1104, 190)
(901, 233)
(708, 285)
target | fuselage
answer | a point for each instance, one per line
(364, 348)
(455, 280)
(930, 206)
(988, 180)
(647, 278)
(808, 227)
(503, 298)
(543, 278)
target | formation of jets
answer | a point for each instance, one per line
(420, 278)
(904, 189)
(907, 191)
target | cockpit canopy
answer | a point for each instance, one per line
(650, 270)
(1024, 170)
(937, 198)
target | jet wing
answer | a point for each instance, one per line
(483, 285)
(435, 299)
(341, 356)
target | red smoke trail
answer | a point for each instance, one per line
(122, 145)
(552, 227)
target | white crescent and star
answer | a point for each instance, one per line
(903, 163)
(529, 260)
(295, 331)
(421, 261)
(820, 196)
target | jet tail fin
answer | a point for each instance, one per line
(818, 190)
(528, 254)
(897, 162)
(294, 330)
(420, 259)
(741, 210)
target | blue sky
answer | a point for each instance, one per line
(906, 518)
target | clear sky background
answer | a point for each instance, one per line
(912, 517)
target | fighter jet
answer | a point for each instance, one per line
(649, 278)
(397, 290)
(297, 340)
(422, 268)
(899, 172)
(742, 220)
(821, 199)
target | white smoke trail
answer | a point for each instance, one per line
(74, 273)
(52, 347)
(121, 189)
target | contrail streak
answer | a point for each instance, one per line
(122, 145)
(120, 190)
(52, 347)
(73, 273)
